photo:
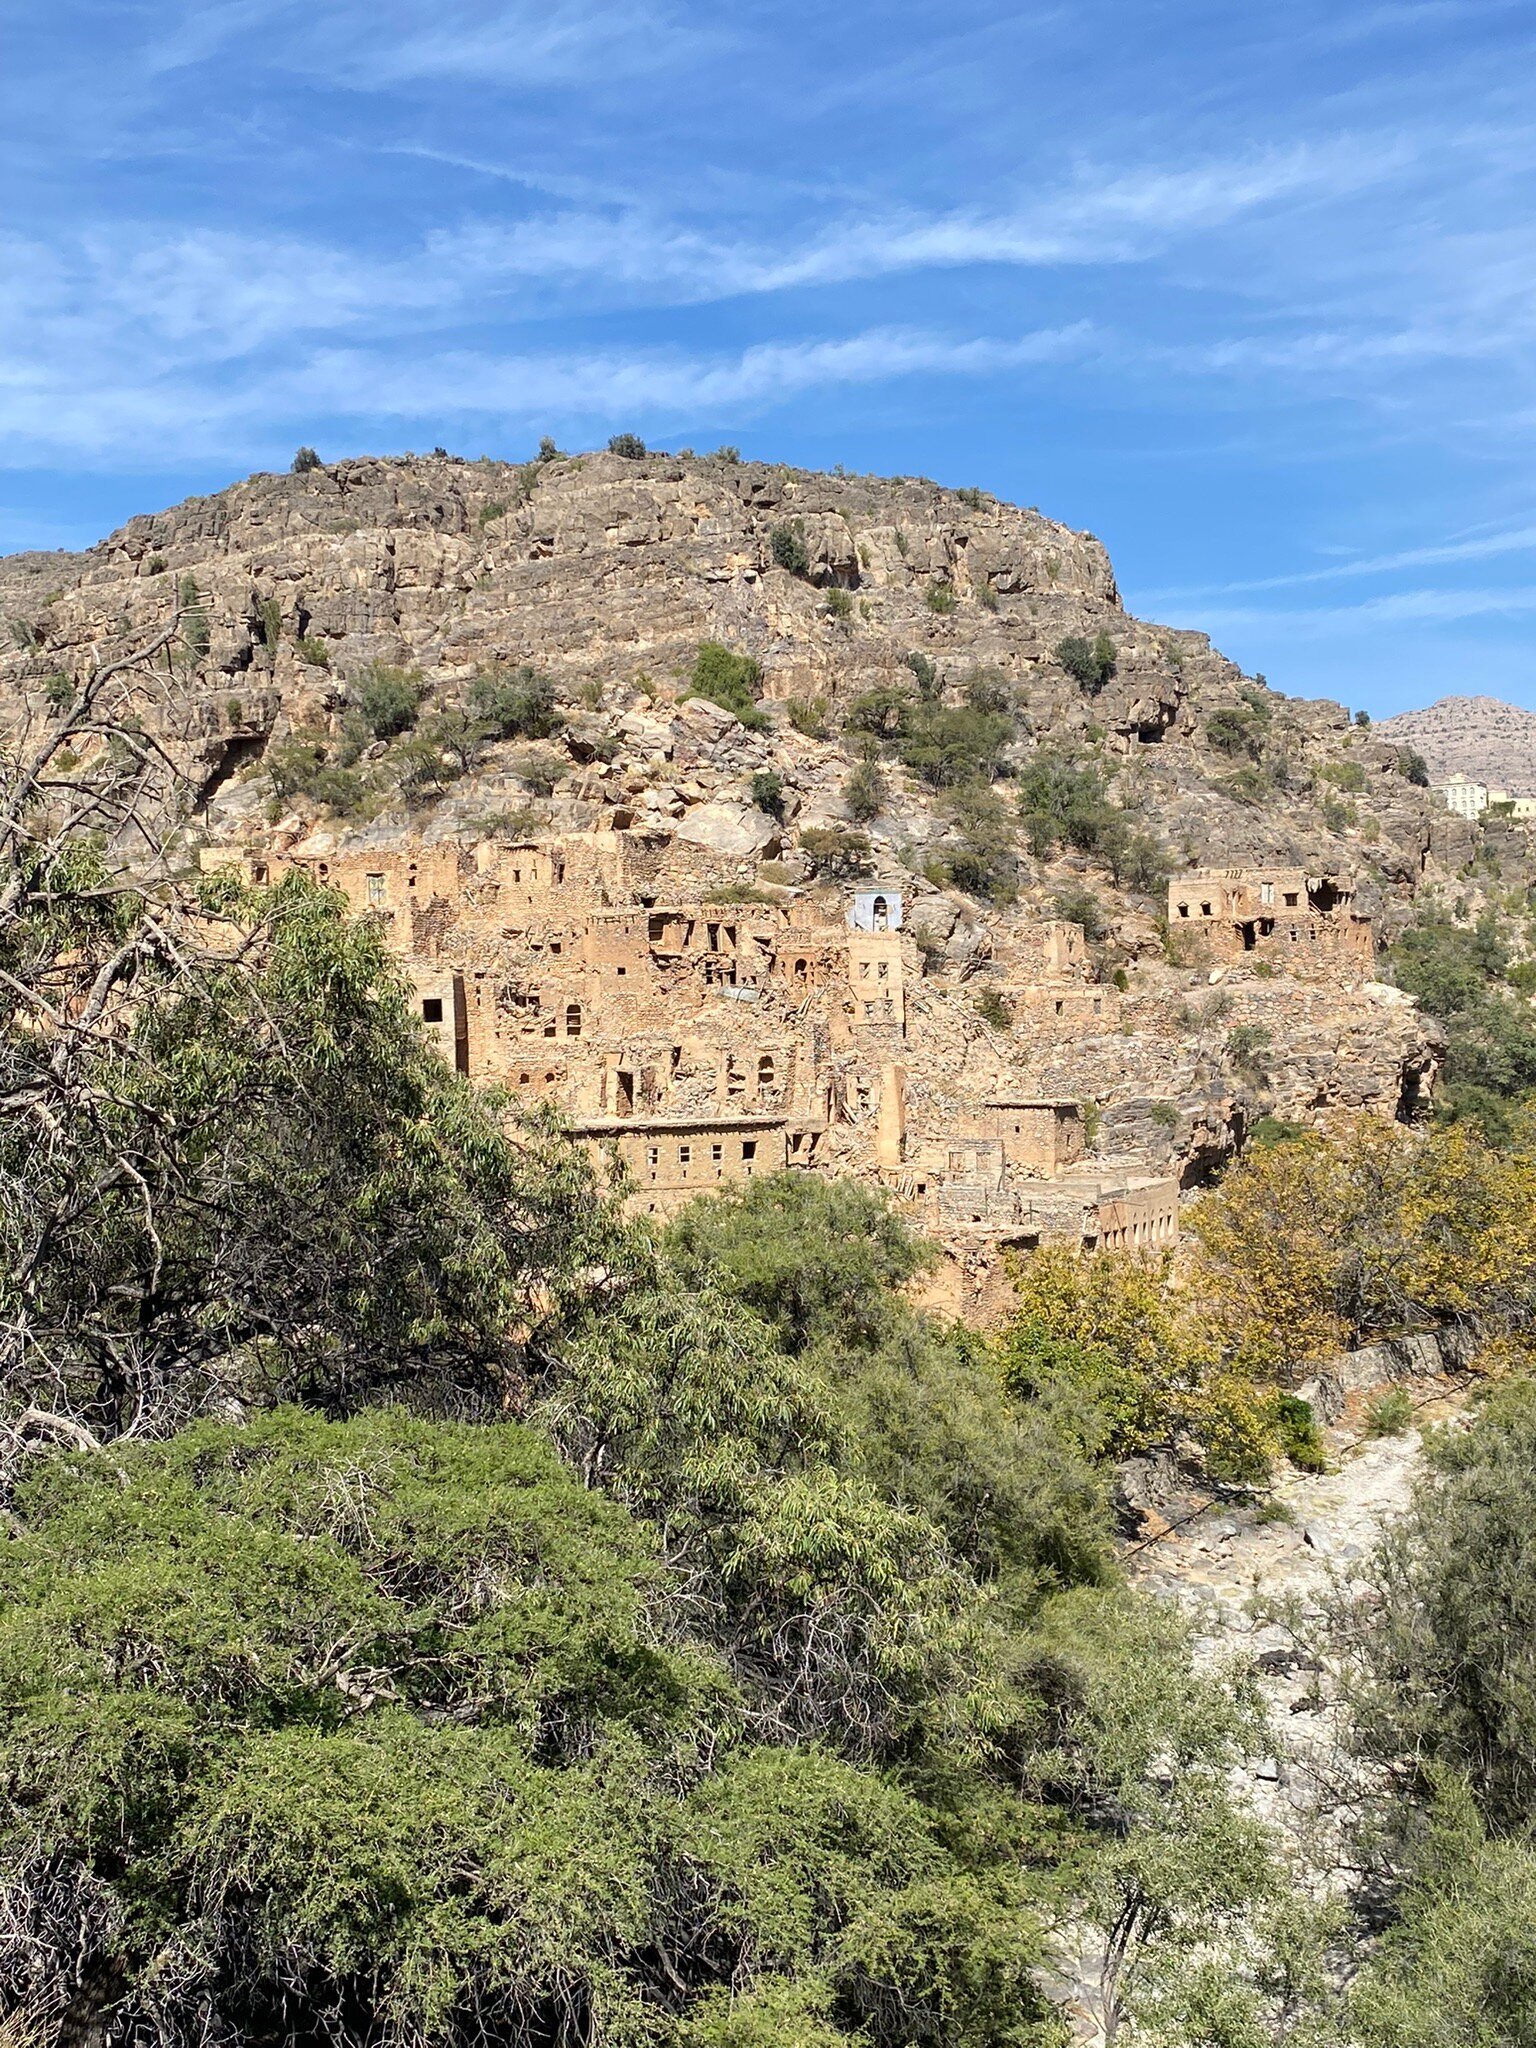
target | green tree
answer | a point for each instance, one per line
(839, 855)
(815, 1258)
(515, 704)
(386, 1719)
(1442, 1678)
(260, 1178)
(787, 549)
(730, 680)
(864, 793)
(767, 790)
(1234, 729)
(389, 699)
(1090, 663)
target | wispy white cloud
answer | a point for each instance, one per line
(1398, 608)
(603, 384)
(1474, 548)
(369, 44)
(1091, 219)
(215, 295)
(121, 420)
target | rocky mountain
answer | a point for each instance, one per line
(1481, 737)
(926, 687)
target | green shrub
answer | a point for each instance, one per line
(924, 673)
(946, 746)
(515, 704)
(1298, 1433)
(768, 792)
(305, 460)
(1345, 775)
(1248, 785)
(864, 793)
(969, 496)
(388, 698)
(729, 680)
(838, 854)
(59, 691)
(1164, 1115)
(940, 597)
(992, 1009)
(1090, 663)
(1234, 729)
(1062, 800)
(839, 606)
(195, 629)
(314, 652)
(1257, 700)
(1459, 974)
(1389, 1414)
(630, 446)
(156, 565)
(421, 767)
(1077, 905)
(1246, 1043)
(809, 716)
(886, 712)
(1274, 1130)
(492, 509)
(1439, 1674)
(304, 765)
(541, 769)
(1413, 767)
(787, 549)
(1363, 720)
(984, 862)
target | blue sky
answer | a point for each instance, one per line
(1250, 292)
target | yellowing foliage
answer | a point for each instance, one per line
(1113, 1329)
(1306, 1247)
(1319, 1243)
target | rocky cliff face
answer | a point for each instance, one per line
(1481, 737)
(606, 574)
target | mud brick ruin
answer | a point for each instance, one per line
(695, 1033)
(1295, 922)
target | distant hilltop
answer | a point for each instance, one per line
(1480, 737)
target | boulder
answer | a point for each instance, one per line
(728, 828)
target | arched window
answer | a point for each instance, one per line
(766, 1074)
(881, 914)
(573, 1020)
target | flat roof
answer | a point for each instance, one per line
(616, 1126)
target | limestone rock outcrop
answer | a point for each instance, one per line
(604, 575)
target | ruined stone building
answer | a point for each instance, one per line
(696, 1033)
(1299, 924)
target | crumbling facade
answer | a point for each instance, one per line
(697, 1034)
(1297, 923)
